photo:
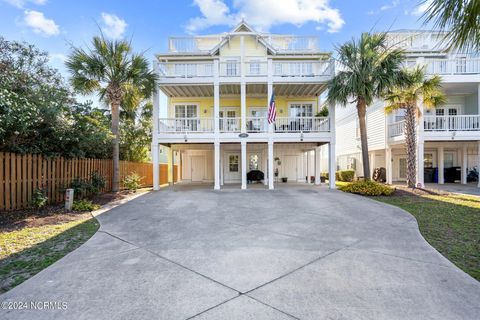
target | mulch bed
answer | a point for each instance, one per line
(51, 214)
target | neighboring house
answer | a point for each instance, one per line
(448, 136)
(218, 89)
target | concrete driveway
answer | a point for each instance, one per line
(295, 253)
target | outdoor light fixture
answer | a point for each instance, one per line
(185, 137)
(301, 136)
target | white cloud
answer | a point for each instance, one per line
(21, 3)
(420, 9)
(40, 24)
(264, 14)
(385, 7)
(113, 26)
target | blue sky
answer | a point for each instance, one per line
(53, 25)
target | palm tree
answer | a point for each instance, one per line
(368, 68)
(109, 69)
(460, 18)
(418, 88)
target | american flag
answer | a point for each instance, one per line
(272, 110)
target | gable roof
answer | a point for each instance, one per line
(239, 28)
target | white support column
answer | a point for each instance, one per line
(420, 148)
(156, 112)
(270, 165)
(269, 89)
(420, 164)
(372, 163)
(216, 107)
(265, 166)
(388, 165)
(307, 171)
(243, 106)
(172, 168)
(222, 160)
(478, 157)
(464, 164)
(244, 164)
(216, 165)
(440, 165)
(318, 165)
(332, 167)
(156, 167)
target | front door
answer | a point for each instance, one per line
(232, 167)
(290, 168)
(198, 168)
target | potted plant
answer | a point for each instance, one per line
(284, 179)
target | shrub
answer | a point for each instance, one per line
(39, 198)
(96, 183)
(84, 188)
(84, 205)
(345, 175)
(368, 188)
(132, 181)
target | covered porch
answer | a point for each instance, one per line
(245, 165)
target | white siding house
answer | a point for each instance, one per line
(448, 136)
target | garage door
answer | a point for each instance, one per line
(290, 168)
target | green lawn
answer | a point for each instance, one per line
(449, 222)
(27, 251)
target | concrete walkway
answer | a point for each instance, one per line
(298, 252)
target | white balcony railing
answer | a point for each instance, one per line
(256, 68)
(452, 123)
(281, 43)
(186, 70)
(302, 69)
(229, 69)
(396, 129)
(230, 124)
(302, 124)
(290, 68)
(453, 66)
(257, 124)
(253, 125)
(184, 125)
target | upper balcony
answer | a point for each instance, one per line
(283, 44)
(416, 41)
(252, 70)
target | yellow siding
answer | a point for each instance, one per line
(206, 104)
(252, 48)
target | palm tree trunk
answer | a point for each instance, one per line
(116, 147)
(362, 111)
(411, 146)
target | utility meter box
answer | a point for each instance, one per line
(68, 199)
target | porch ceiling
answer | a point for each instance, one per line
(255, 89)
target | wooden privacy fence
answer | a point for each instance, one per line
(21, 175)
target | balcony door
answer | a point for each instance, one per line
(258, 121)
(300, 116)
(448, 122)
(228, 119)
(186, 117)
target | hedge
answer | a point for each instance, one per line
(368, 188)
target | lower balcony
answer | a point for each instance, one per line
(234, 125)
(462, 127)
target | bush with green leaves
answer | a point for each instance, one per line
(84, 188)
(368, 188)
(345, 175)
(84, 205)
(132, 182)
(39, 198)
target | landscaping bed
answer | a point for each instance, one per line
(449, 222)
(33, 239)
